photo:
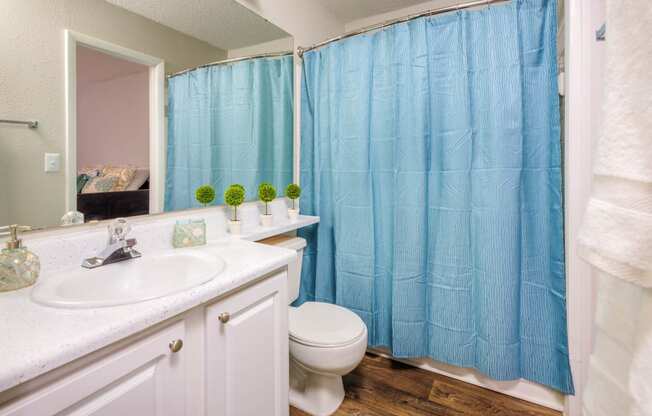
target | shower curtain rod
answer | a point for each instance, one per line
(233, 60)
(431, 12)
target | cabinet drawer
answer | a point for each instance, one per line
(145, 378)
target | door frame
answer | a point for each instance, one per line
(582, 72)
(157, 142)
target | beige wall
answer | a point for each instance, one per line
(278, 45)
(32, 87)
(306, 20)
(417, 8)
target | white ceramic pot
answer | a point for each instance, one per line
(293, 214)
(235, 227)
(266, 220)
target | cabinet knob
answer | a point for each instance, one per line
(176, 345)
(224, 317)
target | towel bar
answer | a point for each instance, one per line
(31, 124)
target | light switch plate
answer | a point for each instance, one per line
(52, 162)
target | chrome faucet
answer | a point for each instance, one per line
(119, 248)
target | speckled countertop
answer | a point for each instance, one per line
(37, 339)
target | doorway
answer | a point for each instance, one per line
(115, 135)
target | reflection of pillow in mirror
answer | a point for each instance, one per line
(90, 172)
(81, 181)
(140, 177)
(124, 176)
(100, 184)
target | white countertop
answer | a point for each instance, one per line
(37, 339)
(281, 227)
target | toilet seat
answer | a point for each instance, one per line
(319, 324)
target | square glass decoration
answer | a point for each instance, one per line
(189, 233)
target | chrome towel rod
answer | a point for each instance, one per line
(31, 124)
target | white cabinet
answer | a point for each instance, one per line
(236, 366)
(145, 378)
(247, 352)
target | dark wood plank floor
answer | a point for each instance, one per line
(382, 387)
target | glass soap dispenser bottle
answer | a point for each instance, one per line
(19, 267)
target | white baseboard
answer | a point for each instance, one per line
(521, 389)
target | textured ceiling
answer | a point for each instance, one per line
(222, 23)
(348, 10)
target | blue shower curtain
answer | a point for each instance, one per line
(431, 152)
(229, 124)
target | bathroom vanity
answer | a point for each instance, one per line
(219, 348)
(107, 134)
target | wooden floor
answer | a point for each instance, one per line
(382, 387)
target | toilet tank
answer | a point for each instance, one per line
(294, 268)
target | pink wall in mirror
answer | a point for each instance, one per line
(112, 111)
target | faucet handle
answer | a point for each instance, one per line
(118, 230)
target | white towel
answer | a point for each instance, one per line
(620, 367)
(617, 231)
(616, 236)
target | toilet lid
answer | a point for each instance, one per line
(324, 324)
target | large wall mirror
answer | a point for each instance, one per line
(120, 108)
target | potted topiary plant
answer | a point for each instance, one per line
(234, 196)
(266, 193)
(205, 194)
(293, 192)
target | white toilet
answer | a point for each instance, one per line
(326, 342)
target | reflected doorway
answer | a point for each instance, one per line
(115, 135)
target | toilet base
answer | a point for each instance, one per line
(315, 394)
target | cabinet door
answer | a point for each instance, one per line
(247, 352)
(142, 379)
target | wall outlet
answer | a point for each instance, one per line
(52, 162)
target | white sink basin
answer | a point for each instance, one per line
(148, 277)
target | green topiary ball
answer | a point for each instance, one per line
(205, 194)
(293, 191)
(266, 192)
(234, 195)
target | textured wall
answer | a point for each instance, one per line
(113, 122)
(32, 87)
(278, 45)
(112, 111)
(308, 21)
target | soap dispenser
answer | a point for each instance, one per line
(19, 267)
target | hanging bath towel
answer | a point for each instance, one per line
(616, 236)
